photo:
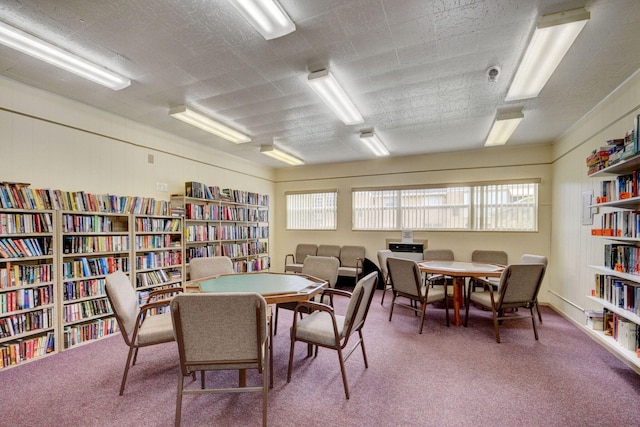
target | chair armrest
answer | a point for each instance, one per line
(287, 256)
(334, 291)
(312, 306)
(160, 292)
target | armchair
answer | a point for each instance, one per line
(293, 262)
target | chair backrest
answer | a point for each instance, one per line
(303, 250)
(219, 330)
(490, 257)
(383, 254)
(359, 303)
(437, 255)
(329, 250)
(519, 284)
(322, 267)
(123, 300)
(533, 259)
(349, 255)
(404, 275)
(209, 266)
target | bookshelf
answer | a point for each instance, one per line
(617, 280)
(92, 246)
(225, 222)
(27, 285)
(158, 253)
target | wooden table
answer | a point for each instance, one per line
(459, 270)
(275, 288)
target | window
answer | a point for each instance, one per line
(312, 211)
(485, 207)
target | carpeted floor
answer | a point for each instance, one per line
(445, 377)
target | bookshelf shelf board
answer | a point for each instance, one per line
(95, 254)
(619, 274)
(630, 203)
(622, 312)
(77, 279)
(165, 249)
(608, 342)
(160, 267)
(88, 298)
(627, 165)
(25, 310)
(26, 286)
(26, 334)
(158, 285)
(620, 239)
(87, 319)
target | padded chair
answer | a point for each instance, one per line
(209, 266)
(324, 328)
(534, 259)
(293, 262)
(383, 254)
(351, 260)
(322, 267)
(437, 255)
(406, 282)
(329, 250)
(138, 328)
(225, 331)
(519, 286)
(488, 257)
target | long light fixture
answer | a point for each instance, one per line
(280, 155)
(552, 39)
(328, 89)
(44, 51)
(374, 144)
(503, 127)
(266, 16)
(206, 123)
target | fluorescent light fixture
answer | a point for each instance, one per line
(552, 39)
(327, 88)
(266, 16)
(206, 123)
(280, 155)
(503, 127)
(44, 51)
(374, 144)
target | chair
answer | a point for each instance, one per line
(351, 260)
(224, 331)
(209, 266)
(137, 327)
(519, 286)
(488, 257)
(293, 262)
(383, 254)
(329, 250)
(534, 259)
(406, 282)
(324, 328)
(322, 267)
(437, 255)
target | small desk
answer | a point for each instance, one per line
(459, 271)
(275, 288)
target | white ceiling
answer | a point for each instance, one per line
(416, 69)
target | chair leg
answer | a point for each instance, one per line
(495, 324)
(538, 310)
(290, 359)
(179, 399)
(364, 353)
(270, 350)
(126, 367)
(533, 320)
(384, 292)
(265, 390)
(393, 302)
(275, 325)
(202, 380)
(423, 308)
(344, 373)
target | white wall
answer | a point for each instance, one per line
(572, 246)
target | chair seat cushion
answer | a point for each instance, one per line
(294, 268)
(483, 298)
(348, 271)
(435, 294)
(318, 328)
(156, 329)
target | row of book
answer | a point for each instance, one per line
(20, 323)
(622, 258)
(87, 267)
(157, 277)
(22, 248)
(14, 223)
(624, 331)
(157, 225)
(237, 250)
(619, 224)
(26, 298)
(86, 310)
(616, 150)
(621, 188)
(155, 241)
(159, 259)
(91, 223)
(202, 191)
(257, 264)
(27, 349)
(211, 212)
(24, 274)
(21, 196)
(206, 233)
(97, 328)
(83, 289)
(94, 244)
(620, 293)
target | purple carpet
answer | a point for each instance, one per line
(445, 377)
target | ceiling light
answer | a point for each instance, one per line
(280, 155)
(203, 122)
(47, 52)
(266, 16)
(323, 83)
(552, 39)
(503, 127)
(374, 144)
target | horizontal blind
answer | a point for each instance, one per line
(312, 211)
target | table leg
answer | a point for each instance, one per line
(242, 378)
(458, 286)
